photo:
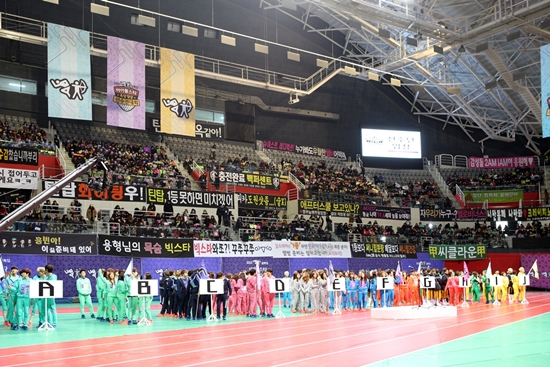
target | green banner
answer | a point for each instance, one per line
(493, 197)
(457, 252)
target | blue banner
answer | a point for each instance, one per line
(69, 73)
(545, 89)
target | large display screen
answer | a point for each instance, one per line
(391, 144)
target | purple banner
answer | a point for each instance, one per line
(406, 264)
(299, 264)
(67, 269)
(501, 162)
(125, 83)
(23, 261)
(543, 264)
(305, 149)
(236, 264)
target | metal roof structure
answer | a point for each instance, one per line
(471, 63)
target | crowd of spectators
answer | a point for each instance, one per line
(447, 234)
(267, 226)
(533, 230)
(130, 164)
(27, 135)
(418, 194)
(521, 177)
(334, 184)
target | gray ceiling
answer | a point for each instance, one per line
(487, 77)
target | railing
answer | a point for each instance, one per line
(461, 161)
(296, 182)
(449, 160)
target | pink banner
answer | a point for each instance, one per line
(305, 149)
(125, 83)
(501, 162)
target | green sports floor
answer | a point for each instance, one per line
(481, 335)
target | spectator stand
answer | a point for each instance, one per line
(410, 188)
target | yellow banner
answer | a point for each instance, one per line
(177, 92)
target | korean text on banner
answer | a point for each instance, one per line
(177, 92)
(125, 83)
(545, 89)
(69, 73)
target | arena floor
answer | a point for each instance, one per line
(481, 335)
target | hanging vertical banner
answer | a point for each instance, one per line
(125, 83)
(69, 73)
(545, 89)
(177, 92)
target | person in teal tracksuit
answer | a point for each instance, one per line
(148, 301)
(51, 308)
(38, 303)
(23, 301)
(134, 306)
(11, 283)
(110, 298)
(3, 296)
(122, 291)
(84, 288)
(101, 292)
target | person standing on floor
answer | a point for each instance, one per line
(287, 299)
(295, 291)
(315, 293)
(134, 305)
(324, 299)
(147, 302)
(84, 289)
(23, 301)
(122, 291)
(305, 292)
(251, 290)
(267, 297)
(51, 307)
(221, 299)
(101, 285)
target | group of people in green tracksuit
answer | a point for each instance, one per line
(16, 303)
(113, 292)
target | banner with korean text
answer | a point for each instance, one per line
(144, 247)
(232, 249)
(200, 199)
(383, 250)
(501, 162)
(246, 179)
(457, 252)
(305, 149)
(262, 202)
(452, 215)
(15, 155)
(81, 190)
(385, 212)
(69, 73)
(311, 207)
(18, 179)
(31, 243)
(125, 83)
(177, 92)
(493, 196)
(545, 89)
(310, 249)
